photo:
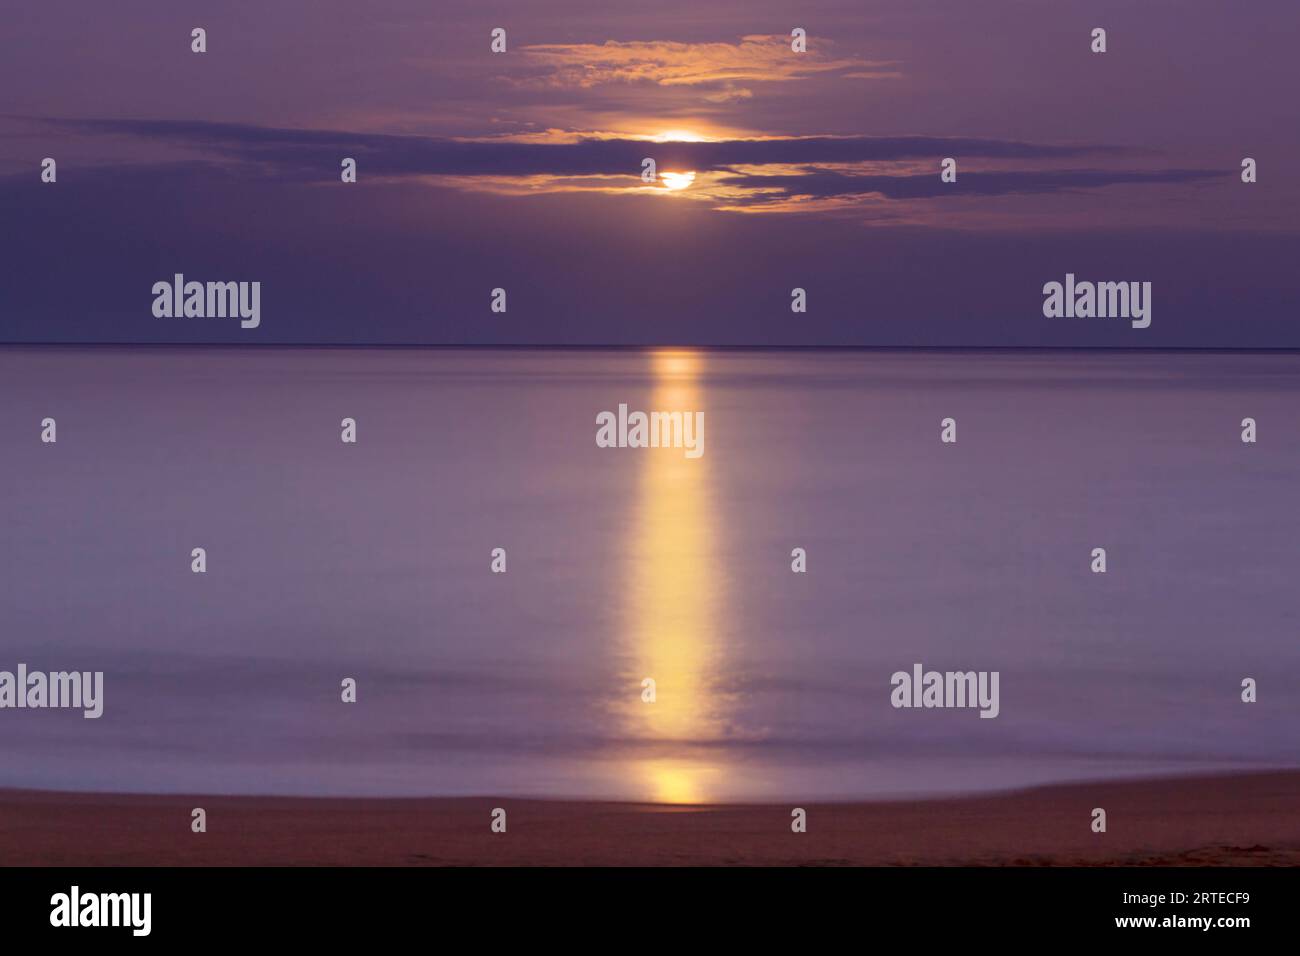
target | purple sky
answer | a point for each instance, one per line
(522, 170)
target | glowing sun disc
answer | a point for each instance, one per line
(677, 181)
(678, 136)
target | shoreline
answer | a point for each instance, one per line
(1245, 819)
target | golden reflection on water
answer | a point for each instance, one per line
(673, 602)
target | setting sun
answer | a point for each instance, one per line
(679, 136)
(677, 180)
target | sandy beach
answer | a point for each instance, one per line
(1246, 819)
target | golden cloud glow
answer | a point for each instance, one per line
(755, 59)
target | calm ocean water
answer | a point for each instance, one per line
(371, 561)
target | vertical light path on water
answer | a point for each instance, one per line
(675, 599)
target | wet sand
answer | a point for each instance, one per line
(1244, 819)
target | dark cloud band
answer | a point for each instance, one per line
(392, 155)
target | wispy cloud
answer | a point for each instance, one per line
(724, 67)
(817, 183)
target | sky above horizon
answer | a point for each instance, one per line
(522, 171)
